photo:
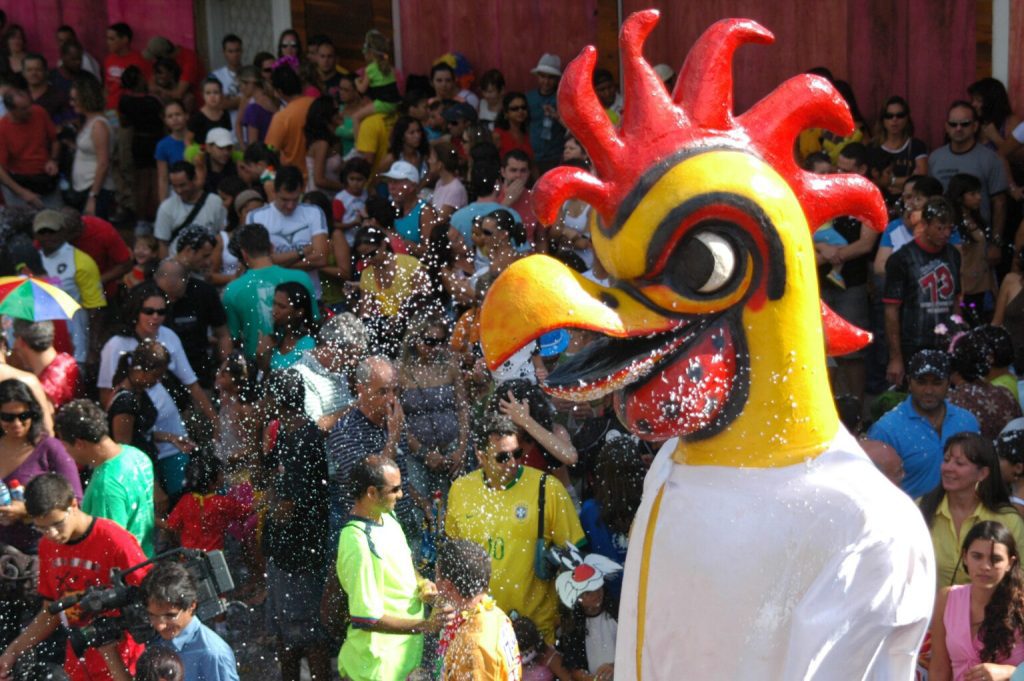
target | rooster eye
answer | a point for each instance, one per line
(704, 263)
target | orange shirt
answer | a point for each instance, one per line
(286, 135)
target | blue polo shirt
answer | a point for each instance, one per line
(919, 444)
(205, 654)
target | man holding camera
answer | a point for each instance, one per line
(171, 598)
(77, 551)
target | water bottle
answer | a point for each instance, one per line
(17, 491)
(546, 133)
(5, 494)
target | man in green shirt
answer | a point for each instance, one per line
(385, 594)
(248, 299)
(121, 487)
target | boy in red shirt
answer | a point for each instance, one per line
(201, 516)
(76, 551)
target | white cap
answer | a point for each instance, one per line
(402, 170)
(550, 64)
(219, 137)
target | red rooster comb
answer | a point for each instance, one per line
(698, 115)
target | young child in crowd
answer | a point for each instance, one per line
(539, 659)
(202, 515)
(171, 148)
(145, 252)
(378, 81)
(589, 623)
(258, 168)
(349, 202)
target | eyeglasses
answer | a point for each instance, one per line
(162, 311)
(505, 457)
(517, 108)
(45, 231)
(20, 416)
(959, 124)
(47, 529)
(888, 115)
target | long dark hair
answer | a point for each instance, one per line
(502, 119)
(397, 142)
(960, 184)
(1004, 614)
(991, 491)
(133, 304)
(13, 390)
(299, 298)
(318, 121)
(619, 483)
(995, 100)
(896, 99)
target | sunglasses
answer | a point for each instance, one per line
(888, 115)
(20, 416)
(433, 341)
(46, 231)
(505, 457)
(289, 44)
(517, 108)
(162, 311)
(452, 124)
(959, 124)
(267, 70)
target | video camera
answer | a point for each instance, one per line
(209, 570)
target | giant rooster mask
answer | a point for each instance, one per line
(712, 330)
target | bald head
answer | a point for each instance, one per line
(172, 278)
(885, 459)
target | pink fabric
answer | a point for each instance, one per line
(919, 49)
(509, 35)
(1016, 84)
(965, 650)
(172, 19)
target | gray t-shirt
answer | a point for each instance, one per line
(981, 162)
(173, 211)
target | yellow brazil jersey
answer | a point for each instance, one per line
(484, 648)
(504, 523)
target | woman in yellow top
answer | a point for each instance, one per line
(971, 491)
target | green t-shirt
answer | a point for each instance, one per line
(1009, 382)
(122, 490)
(376, 571)
(249, 299)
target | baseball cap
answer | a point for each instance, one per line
(402, 170)
(553, 343)
(219, 137)
(459, 111)
(158, 46)
(925, 362)
(47, 219)
(551, 64)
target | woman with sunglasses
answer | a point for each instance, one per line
(434, 401)
(26, 451)
(144, 313)
(978, 627)
(512, 127)
(896, 139)
(289, 44)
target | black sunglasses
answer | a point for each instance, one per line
(505, 457)
(154, 310)
(432, 340)
(894, 114)
(20, 416)
(959, 124)
(517, 108)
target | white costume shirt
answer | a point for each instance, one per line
(821, 570)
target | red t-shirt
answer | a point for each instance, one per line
(113, 66)
(103, 244)
(61, 380)
(25, 147)
(201, 519)
(67, 569)
(191, 71)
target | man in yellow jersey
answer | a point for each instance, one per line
(497, 507)
(479, 643)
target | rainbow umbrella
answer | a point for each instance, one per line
(34, 299)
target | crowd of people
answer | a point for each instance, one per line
(280, 268)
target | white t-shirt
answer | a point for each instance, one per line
(111, 353)
(289, 233)
(173, 211)
(350, 207)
